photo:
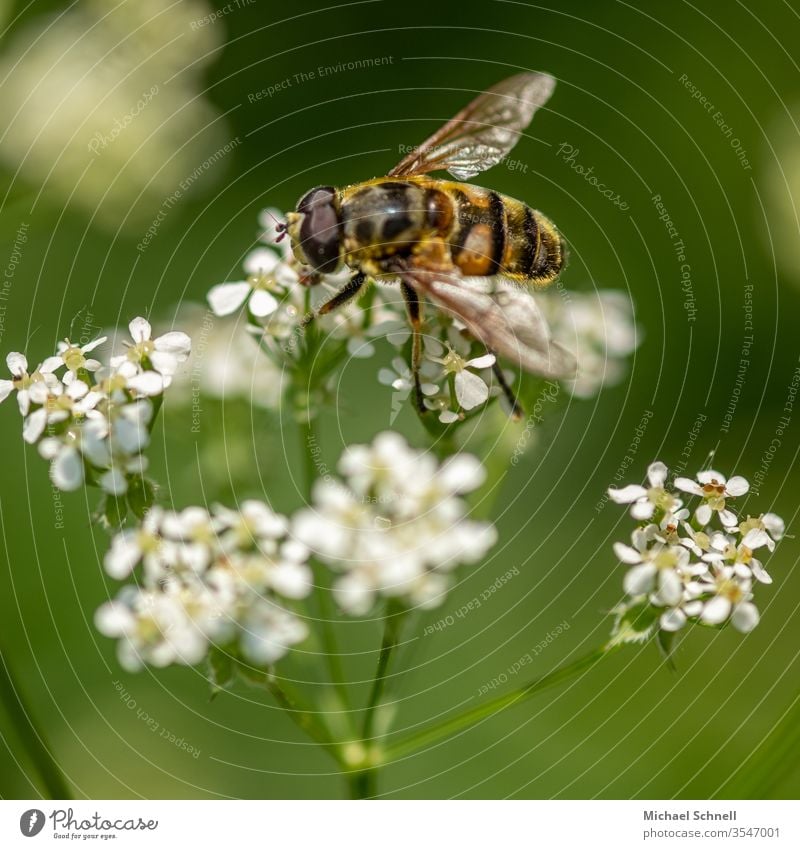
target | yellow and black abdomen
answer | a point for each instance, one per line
(496, 234)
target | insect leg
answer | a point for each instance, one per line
(516, 408)
(345, 294)
(414, 308)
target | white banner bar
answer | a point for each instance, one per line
(400, 824)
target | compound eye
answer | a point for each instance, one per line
(321, 196)
(320, 235)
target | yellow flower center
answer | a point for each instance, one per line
(137, 352)
(730, 589)
(73, 358)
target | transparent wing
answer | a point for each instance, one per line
(505, 318)
(482, 133)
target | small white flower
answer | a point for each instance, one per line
(730, 600)
(165, 353)
(268, 632)
(656, 568)
(31, 388)
(131, 547)
(770, 524)
(714, 488)
(74, 356)
(268, 276)
(645, 501)
(471, 389)
(724, 549)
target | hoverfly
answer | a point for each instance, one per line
(435, 236)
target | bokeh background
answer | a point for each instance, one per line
(235, 121)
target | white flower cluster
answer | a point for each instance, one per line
(396, 526)
(598, 328)
(208, 578)
(698, 565)
(91, 421)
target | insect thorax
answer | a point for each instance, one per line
(385, 216)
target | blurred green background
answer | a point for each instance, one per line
(627, 101)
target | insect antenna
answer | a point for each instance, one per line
(280, 226)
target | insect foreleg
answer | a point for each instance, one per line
(353, 286)
(414, 308)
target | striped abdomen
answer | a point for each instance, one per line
(495, 234)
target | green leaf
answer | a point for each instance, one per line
(141, 496)
(666, 644)
(114, 511)
(221, 670)
(635, 622)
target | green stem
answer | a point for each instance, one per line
(362, 785)
(302, 718)
(32, 739)
(476, 714)
(391, 638)
(332, 653)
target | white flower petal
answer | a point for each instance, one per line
(759, 572)
(672, 620)
(703, 514)
(626, 554)
(50, 365)
(486, 361)
(34, 426)
(147, 383)
(140, 329)
(688, 485)
(745, 617)
(123, 555)
(164, 363)
(471, 391)
(640, 579)
(716, 611)
(728, 519)
(260, 261)
(755, 538)
(657, 473)
(643, 509)
(226, 298)
(262, 303)
(774, 524)
(6, 386)
(66, 471)
(627, 494)
(737, 485)
(670, 588)
(94, 344)
(710, 475)
(175, 342)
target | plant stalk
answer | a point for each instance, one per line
(476, 714)
(31, 737)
